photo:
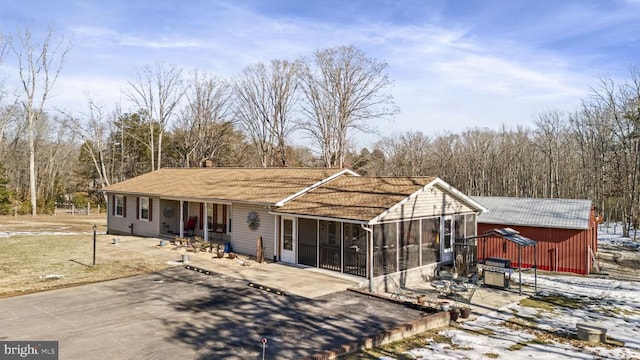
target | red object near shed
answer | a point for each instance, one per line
(565, 231)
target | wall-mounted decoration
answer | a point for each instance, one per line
(169, 211)
(253, 220)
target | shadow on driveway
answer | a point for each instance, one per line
(182, 313)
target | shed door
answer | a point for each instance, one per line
(288, 241)
(446, 246)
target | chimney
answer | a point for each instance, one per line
(206, 163)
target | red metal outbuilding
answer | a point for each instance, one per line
(565, 231)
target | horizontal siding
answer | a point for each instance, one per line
(431, 202)
(559, 250)
(245, 240)
(121, 225)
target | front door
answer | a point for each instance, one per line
(447, 244)
(288, 241)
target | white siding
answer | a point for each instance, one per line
(245, 240)
(120, 224)
(431, 202)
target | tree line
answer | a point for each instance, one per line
(591, 153)
(178, 117)
(174, 117)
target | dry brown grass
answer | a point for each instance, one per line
(26, 259)
(50, 223)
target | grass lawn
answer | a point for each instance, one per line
(25, 260)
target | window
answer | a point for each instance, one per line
(409, 254)
(447, 234)
(330, 233)
(355, 250)
(119, 205)
(217, 218)
(430, 240)
(458, 223)
(385, 245)
(287, 234)
(470, 225)
(330, 236)
(144, 208)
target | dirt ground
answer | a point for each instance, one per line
(49, 252)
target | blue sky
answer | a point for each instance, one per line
(455, 65)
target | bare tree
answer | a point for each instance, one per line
(205, 120)
(5, 109)
(553, 142)
(39, 64)
(156, 92)
(407, 153)
(620, 105)
(56, 156)
(344, 90)
(93, 128)
(265, 99)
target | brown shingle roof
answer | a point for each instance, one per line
(354, 197)
(254, 185)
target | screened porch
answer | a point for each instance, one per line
(397, 246)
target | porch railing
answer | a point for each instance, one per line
(330, 258)
(307, 254)
(355, 263)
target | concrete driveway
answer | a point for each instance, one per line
(180, 313)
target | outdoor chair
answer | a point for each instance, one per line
(190, 225)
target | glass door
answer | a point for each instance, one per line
(288, 241)
(446, 249)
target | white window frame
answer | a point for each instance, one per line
(119, 205)
(142, 207)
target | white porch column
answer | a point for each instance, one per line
(181, 218)
(369, 254)
(342, 246)
(276, 249)
(205, 223)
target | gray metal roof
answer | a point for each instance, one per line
(511, 235)
(546, 213)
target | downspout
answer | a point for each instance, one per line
(181, 219)
(205, 222)
(276, 244)
(369, 255)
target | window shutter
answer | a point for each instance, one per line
(113, 204)
(201, 214)
(124, 206)
(150, 209)
(224, 217)
(137, 207)
(215, 214)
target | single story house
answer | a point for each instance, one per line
(565, 231)
(332, 219)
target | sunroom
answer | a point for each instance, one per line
(376, 227)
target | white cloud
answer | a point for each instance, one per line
(445, 76)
